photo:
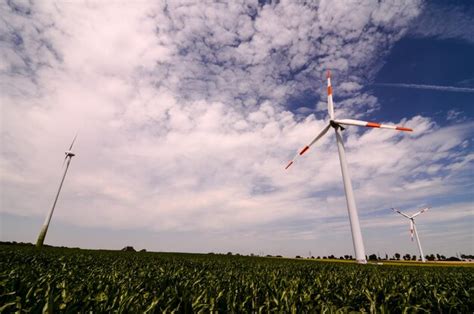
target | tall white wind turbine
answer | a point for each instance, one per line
(44, 229)
(337, 125)
(413, 228)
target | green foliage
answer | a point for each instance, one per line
(68, 280)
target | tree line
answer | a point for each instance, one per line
(398, 257)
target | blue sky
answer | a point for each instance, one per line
(187, 114)
(429, 62)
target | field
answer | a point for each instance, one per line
(72, 280)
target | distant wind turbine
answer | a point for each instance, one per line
(413, 228)
(351, 205)
(67, 160)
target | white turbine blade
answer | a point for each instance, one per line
(72, 143)
(411, 229)
(421, 211)
(403, 214)
(330, 102)
(321, 134)
(64, 161)
(371, 124)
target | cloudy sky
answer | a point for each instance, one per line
(188, 111)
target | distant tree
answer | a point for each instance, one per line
(372, 257)
(453, 259)
(229, 253)
(319, 257)
(278, 256)
(297, 256)
(430, 257)
(397, 256)
(16, 243)
(142, 250)
(268, 255)
(413, 258)
(443, 258)
(128, 249)
(324, 257)
(346, 256)
(386, 256)
(407, 257)
(331, 256)
(438, 257)
(341, 257)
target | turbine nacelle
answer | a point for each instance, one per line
(336, 125)
(69, 152)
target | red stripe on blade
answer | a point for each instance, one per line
(400, 128)
(304, 150)
(287, 166)
(329, 90)
(373, 125)
(328, 74)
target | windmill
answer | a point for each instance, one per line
(67, 160)
(413, 228)
(337, 125)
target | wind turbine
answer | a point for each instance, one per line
(413, 228)
(337, 124)
(67, 160)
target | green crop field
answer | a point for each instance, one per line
(70, 280)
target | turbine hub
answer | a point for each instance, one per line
(334, 124)
(69, 154)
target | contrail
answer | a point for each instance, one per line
(432, 87)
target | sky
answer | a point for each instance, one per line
(188, 111)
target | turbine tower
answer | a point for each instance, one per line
(337, 125)
(67, 160)
(413, 228)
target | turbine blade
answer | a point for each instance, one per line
(371, 124)
(321, 134)
(421, 211)
(411, 229)
(330, 102)
(403, 214)
(64, 161)
(70, 147)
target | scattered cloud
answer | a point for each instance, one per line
(455, 115)
(445, 21)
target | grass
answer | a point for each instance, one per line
(73, 280)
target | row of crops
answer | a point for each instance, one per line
(68, 280)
